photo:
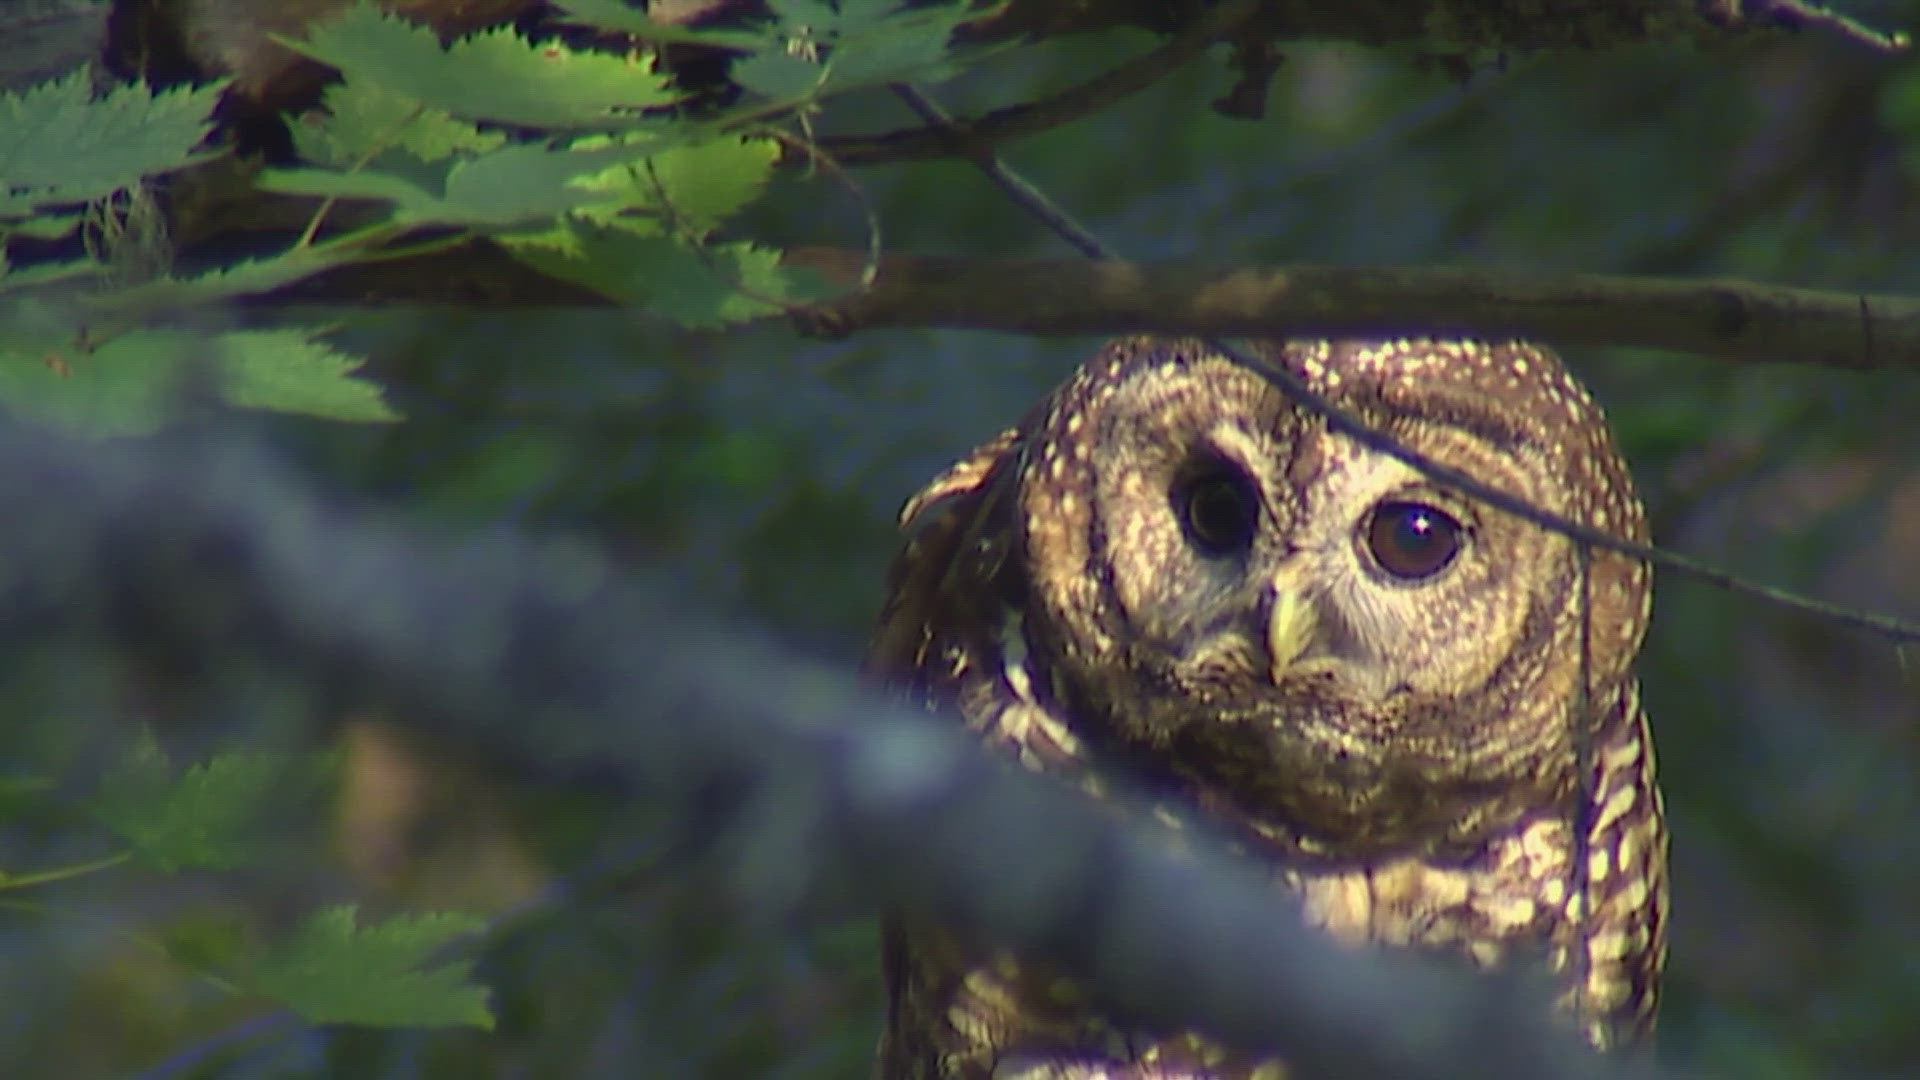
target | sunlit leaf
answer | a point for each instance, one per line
(493, 75)
(60, 144)
(134, 383)
(207, 815)
(335, 971)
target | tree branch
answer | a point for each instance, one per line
(1019, 121)
(1732, 319)
(47, 38)
(1744, 321)
(544, 657)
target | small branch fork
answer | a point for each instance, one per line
(1019, 121)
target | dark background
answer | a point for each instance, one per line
(765, 468)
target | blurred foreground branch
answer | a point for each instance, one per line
(543, 657)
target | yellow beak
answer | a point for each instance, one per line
(1290, 625)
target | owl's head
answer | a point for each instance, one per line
(1313, 629)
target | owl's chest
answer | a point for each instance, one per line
(1514, 888)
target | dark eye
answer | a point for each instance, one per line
(1412, 540)
(1220, 510)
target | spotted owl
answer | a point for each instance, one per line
(1419, 712)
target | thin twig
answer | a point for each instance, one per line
(870, 268)
(1030, 118)
(1028, 197)
(1353, 427)
(1801, 15)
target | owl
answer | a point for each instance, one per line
(1417, 712)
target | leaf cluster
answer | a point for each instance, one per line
(211, 817)
(588, 165)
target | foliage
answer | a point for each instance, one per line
(61, 145)
(209, 817)
(577, 160)
(334, 971)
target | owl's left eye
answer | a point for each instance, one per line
(1219, 509)
(1412, 540)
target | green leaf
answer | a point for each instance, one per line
(779, 75)
(615, 15)
(290, 371)
(362, 120)
(492, 75)
(333, 971)
(132, 384)
(907, 49)
(164, 296)
(207, 816)
(802, 17)
(22, 277)
(51, 226)
(511, 186)
(518, 183)
(59, 144)
(347, 185)
(702, 183)
(702, 287)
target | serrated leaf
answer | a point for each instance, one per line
(249, 276)
(23, 277)
(860, 14)
(701, 184)
(347, 185)
(333, 971)
(492, 75)
(44, 226)
(806, 16)
(516, 184)
(779, 75)
(291, 371)
(637, 266)
(132, 384)
(59, 144)
(510, 186)
(617, 16)
(207, 816)
(363, 119)
(905, 52)
(122, 388)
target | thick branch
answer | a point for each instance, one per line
(543, 657)
(44, 39)
(1726, 318)
(1462, 25)
(1731, 319)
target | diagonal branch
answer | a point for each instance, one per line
(542, 657)
(1019, 121)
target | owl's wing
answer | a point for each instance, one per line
(1626, 879)
(934, 640)
(956, 542)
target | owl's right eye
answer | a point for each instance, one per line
(1219, 509)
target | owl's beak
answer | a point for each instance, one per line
(1290, 622)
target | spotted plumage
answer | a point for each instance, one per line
(1417, 710)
